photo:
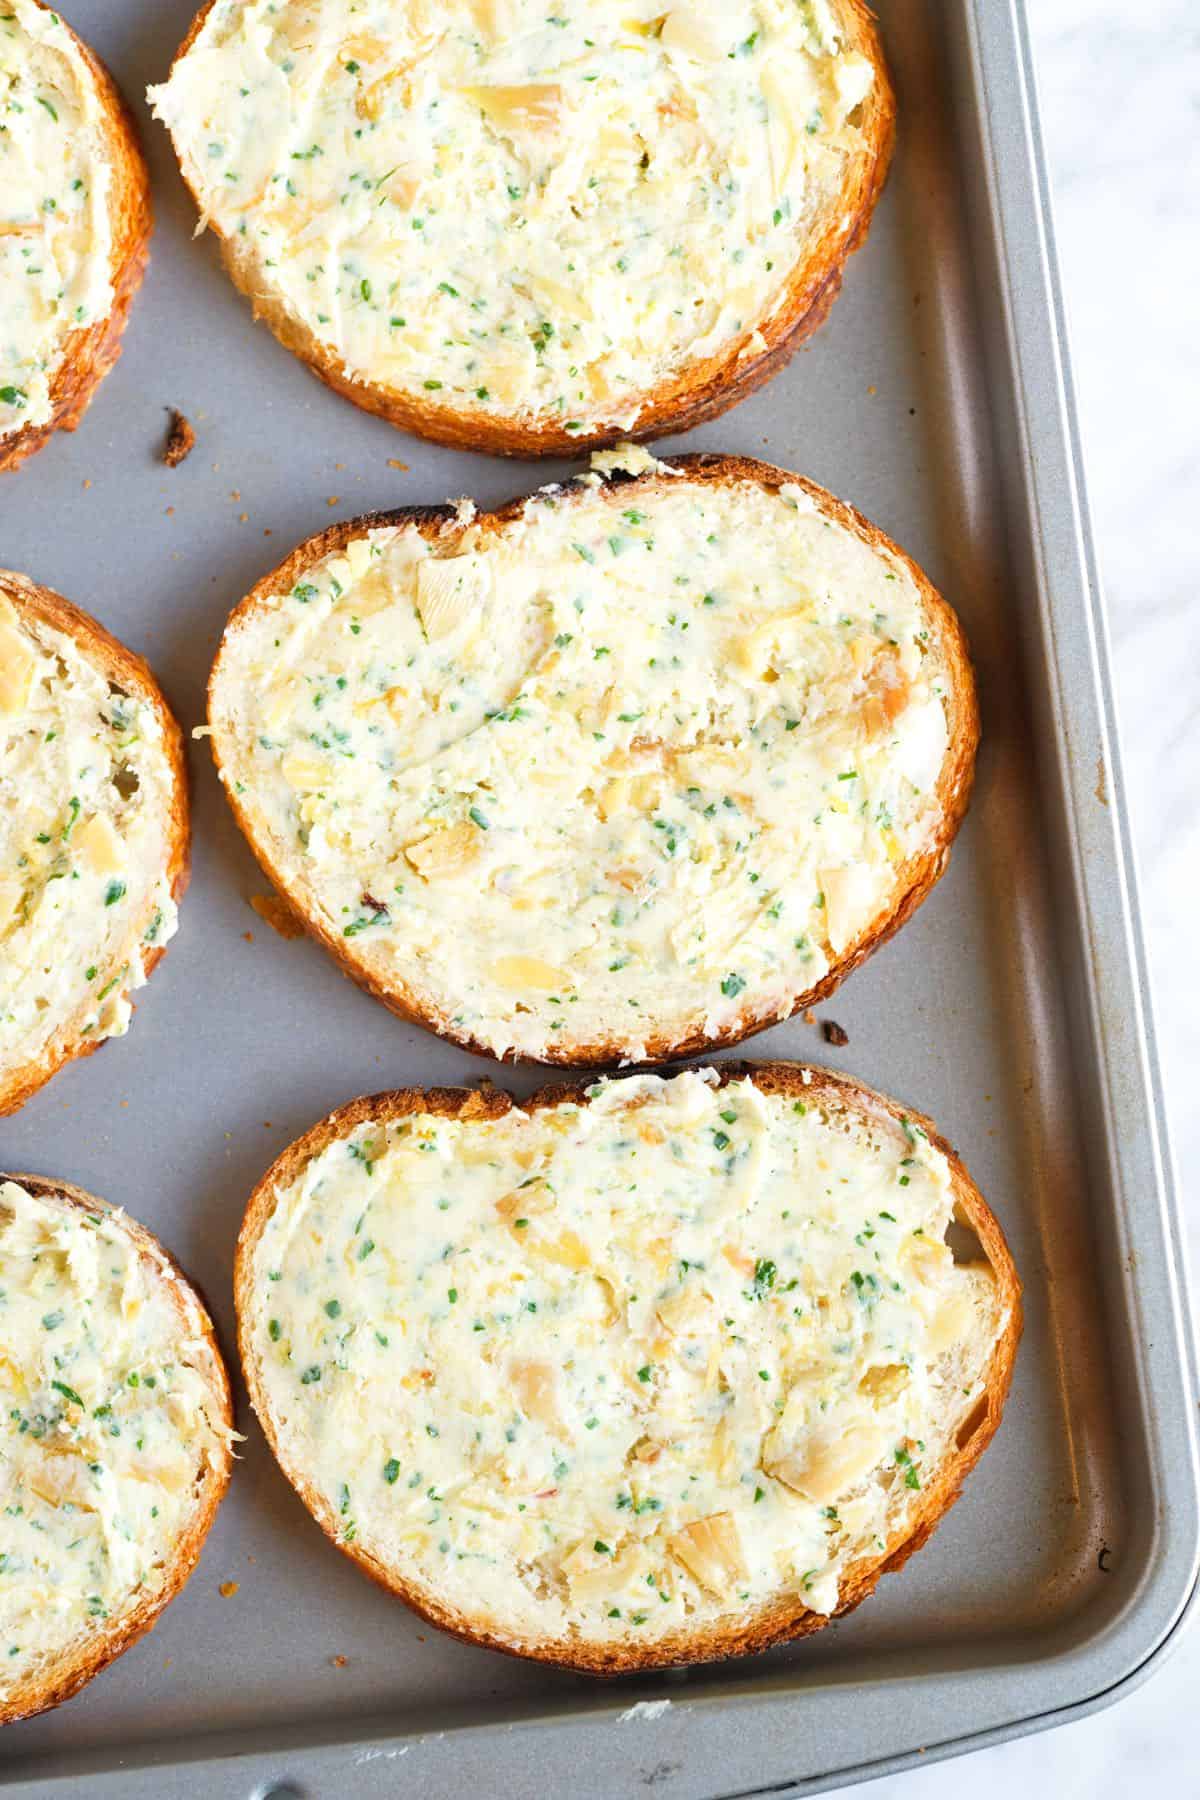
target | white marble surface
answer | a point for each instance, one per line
(1120, 91)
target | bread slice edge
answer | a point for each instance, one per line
(96, 1654)
(701, 391)
(781, 1621)
(91, 351)
(131, 672)
(915, 878)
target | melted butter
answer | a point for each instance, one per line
(85, 799)
(637, 762)
(55, 237)
(622, 1368)
(106, 1428)
(513, 208)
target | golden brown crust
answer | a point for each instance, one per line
(788, 1618)
(91, 352)
(133, 675)
(74, 1672)
(703, 390)
(914, 878)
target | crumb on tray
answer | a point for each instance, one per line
(181, 439)
(833, 1033)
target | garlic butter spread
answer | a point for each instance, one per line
(623, 1367)
(642, 761)
(86, 790)
(515, 206)
(108, 1428)
(55, 237)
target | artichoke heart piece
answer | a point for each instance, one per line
(826, 1469)
(99, 846)
(710, 1550)
(450, 591)
(17, 664)
(444, 854)
(536, 108)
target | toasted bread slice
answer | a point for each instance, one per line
(624, 771)
(93, 833)
(75, 221)
(116, 1435)
(530, 233)
(649, 1372)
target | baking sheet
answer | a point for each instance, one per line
(1012, 1008)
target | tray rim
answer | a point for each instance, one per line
(1001, 56)
(1147, 1153)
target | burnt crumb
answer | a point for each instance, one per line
(833, 1033)
(181, 439)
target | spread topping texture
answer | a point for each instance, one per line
(86, 791)
(514, 207)
(621, 1368)
(635, 765)
(108, 1427)
(55, 238)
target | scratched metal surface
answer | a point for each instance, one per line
(1011, 1008)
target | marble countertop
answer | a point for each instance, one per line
(1120, 93)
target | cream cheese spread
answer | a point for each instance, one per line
(640, 763)
(108, 1428)
(55, 183)
(626, 1368)
(515, 207)
(86, 796)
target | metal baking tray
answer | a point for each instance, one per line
(1014, 1008)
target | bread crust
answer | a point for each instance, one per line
(131, 673)
(785, 1619)
(95, 1654)
(702, 390)
(914, 878)
(91, 351)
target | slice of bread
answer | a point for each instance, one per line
(648, 1372)
(526, 230)
(116, 1436)
(623, 771)
(75, 221)
(93, 833)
